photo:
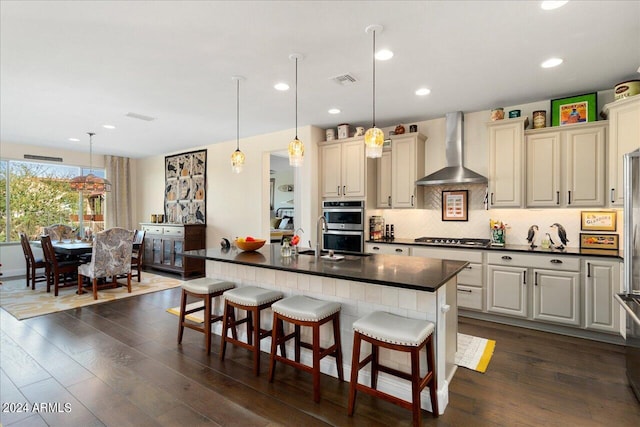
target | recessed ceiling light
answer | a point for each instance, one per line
(551, 62)
(108, 126)
(74, 140)
(384, 55)
(423, 91)
(552, 4)
(334, 111)
(281, 86)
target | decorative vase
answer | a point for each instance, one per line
(497, 237)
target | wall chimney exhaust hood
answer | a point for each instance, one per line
(454, 172)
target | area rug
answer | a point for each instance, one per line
(24, 303)
(474, 353)
(197, 317)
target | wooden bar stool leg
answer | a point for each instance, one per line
(297, 343)
(316, 362)
(433, 386)
(355, 368)
(183, 307)
(227, 319)
(207, 322)
(374, 366)
(256, 342)
(415, 386)
(338, 344)
(276, 333)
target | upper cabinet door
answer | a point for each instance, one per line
(584, 170)
(543, 170)
(624, 137)
(353, 169)
(403, 160)
(383, 178)
(331, 160)
(506, 163)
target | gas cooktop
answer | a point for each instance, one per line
(457, 242)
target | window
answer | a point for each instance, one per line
(35, 195)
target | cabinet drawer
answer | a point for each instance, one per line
(550, 262)
(453, 254)
(471, 275)
(385, 248)
(173, 231)
(470, 297)
(152, 229)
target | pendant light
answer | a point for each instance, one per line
(374, 137)
(296, 147)
(237, 157)
(90, 183)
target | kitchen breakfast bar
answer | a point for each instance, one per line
(413, 287)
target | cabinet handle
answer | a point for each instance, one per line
(535, 278)
(569, 202)
(468, 267)
(557, 197)
(344, 190)
(588, 269)
(412, 200)
(389, 201)
(507, 258)
(491, 199)
(556, 261)
(612, 192)
(465, 290)
(339, 190)
(524, 278)
(399, 250)
(376, 248)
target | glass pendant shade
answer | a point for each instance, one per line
(296, 153)
(90, 183)
(374, 140)
(237, 161)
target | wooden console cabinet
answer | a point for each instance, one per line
(164, 245)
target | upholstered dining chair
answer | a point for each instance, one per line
(56, 269)
(59, 232)
(33, 263)
(111, 257)
(137, 253)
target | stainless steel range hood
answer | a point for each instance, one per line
(454, 172)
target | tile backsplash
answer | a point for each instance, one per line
(412, 223)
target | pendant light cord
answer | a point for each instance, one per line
(90, 152)
(296, 98)
(374, 78)
(238, 114)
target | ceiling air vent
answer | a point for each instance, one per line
(140, 117)
(344, 79)
(46, 158)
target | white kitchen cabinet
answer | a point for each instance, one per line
(601, 281)
(624, 137)
(471, 288)
(507, 290)
(566, 167)
(506, 163)
(343, 169)
(556, 296)
(387, 248)
(407, 166)
(383, 178)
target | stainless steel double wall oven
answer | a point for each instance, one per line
(345, 225)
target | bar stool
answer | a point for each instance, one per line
(304, 311)
(206, 289)
(253, 300)
(398, 333)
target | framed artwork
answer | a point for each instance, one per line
(574, 109)
(598, 241)
(598, 221)
(185, 188)
(455, 206)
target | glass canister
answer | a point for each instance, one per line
(285, 249)
(539, 119)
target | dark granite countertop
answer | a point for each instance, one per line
(418, 273)
(571, 251)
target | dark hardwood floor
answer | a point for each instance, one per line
(118, 364)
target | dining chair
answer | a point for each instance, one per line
(57, 269)
(59, 232)
(111, 257)
(33, 263)
(137, 253)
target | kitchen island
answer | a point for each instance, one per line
(414, 287)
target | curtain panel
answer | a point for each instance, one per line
(118, 209)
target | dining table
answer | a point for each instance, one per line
(70, 247)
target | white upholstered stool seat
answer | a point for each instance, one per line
(205, 288)
(253, 300)
(397, 333)
(301, 311)
(304, 308)
(394, 329)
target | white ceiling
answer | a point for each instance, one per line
(68, 67)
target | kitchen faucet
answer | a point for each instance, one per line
(321, 224)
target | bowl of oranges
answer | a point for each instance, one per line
(249, 243)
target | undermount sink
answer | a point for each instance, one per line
(313, 252)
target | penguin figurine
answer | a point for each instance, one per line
(561, 236)
(532, 236)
